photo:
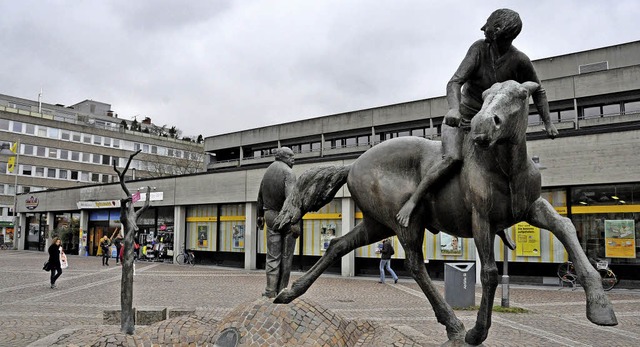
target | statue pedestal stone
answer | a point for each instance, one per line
(303, 322)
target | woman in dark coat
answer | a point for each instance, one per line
(54, 261)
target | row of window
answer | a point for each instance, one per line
(63, 154)
(588, 112)
(63, 174)
(73, 136)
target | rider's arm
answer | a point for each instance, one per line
(539, 96)
(462, 75)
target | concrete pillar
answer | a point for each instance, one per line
(19, 231)
(348, 221)
(250, 236)
(84, 232)
(179, 230)
(50, 227)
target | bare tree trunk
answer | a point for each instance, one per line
(128, 218)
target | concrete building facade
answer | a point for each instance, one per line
(62, 147)
(590, 176)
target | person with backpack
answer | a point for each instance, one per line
(385, 260)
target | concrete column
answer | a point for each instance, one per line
(348, 221)
(179, 230)
(84, 232)
(50, 226)
(250, 236)
(19, 231)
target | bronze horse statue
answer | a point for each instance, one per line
(497, 186)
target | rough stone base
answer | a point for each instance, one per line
(305, 323)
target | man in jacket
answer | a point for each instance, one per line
(277, 182)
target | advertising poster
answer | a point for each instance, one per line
(238, 236)
(620, 238)
(327, 233)
(450, 245)
(527, 240)
(203, 236)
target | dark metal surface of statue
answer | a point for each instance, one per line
(497, 186)
(277, 182)
(490, 60)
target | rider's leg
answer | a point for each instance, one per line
(452, 139)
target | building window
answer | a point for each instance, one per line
(629, 107)
(75, 156)
(4, 124)
(76, 137)
(611, 110)
(105, 178)
(86, 138)
(26, 189)
(28, 149)
(84, 176)
(17, 127)
(96, 159)
(64, 154)
(39, 171)
(30, 129)
(116, 143)
(568, 115)
(74, 175)
(154, 149)
(65, 135)
(363, 140)
(42, 131)
(106, 160)
(95, 177)
(107, 141)
(53, 153)
(63, 174)
(86, 157)
(145, 148)
(40, 151)
(51, 173)
(170, 152)
(97, 140)
(26, 170)
(591, 112)
(53, 133)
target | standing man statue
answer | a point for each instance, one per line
(277, 182)
(488, 61)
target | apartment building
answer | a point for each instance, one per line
(62, 147)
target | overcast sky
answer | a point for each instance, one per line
(212, 67)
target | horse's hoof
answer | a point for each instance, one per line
(475, 338)
(285, 297)
(601, 314)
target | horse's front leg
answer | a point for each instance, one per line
(484, 240)
(599, 309)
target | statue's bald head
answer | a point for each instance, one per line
(285, 155)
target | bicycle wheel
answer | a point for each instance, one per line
(609, 279)
(180, 259)
(566, 269)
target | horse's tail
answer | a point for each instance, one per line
(314, 189)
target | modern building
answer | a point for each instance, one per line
(63, 147)
(590, 175)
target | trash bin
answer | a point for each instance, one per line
(459, 284)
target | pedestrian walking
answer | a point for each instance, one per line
(385, 260)
(54, 260)
(105, 244)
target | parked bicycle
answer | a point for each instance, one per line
(186, 257)
(6, 245)
(567, 274)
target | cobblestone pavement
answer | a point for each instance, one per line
(31, 313)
